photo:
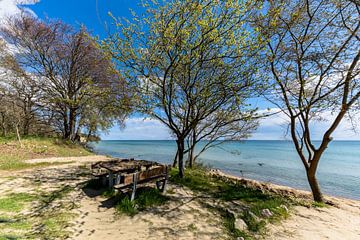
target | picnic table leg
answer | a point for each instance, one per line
(163, 188)
(103, 181)
(117, 179)
(111, 179)
(135, 178)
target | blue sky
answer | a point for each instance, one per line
(93, 14)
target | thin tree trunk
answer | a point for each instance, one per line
(18, 135)
(314, 185)
(88, 135)
(191, 157)
(3, 125)
(175, 162)
(180, 144)
(72, 124)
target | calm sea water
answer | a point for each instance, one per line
(270, 161)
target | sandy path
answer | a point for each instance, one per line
(183, 219)
(340, 222)
(76, 160)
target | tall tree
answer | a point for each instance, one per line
(72, 72)
(313, 56)
(187, 59)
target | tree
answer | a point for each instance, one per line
(187, 59)
(222, 126)
(22, 89)
(71, 71)
(313, 54)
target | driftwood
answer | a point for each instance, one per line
(123, 174)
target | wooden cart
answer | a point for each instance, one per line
(127, 174)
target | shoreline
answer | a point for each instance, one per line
(278, 189)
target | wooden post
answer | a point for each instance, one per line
(117, 179)
(111, 179)
(163, 189)
(135, 178)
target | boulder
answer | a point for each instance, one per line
(266, 213)
(240, 224)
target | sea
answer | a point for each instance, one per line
(270, 161)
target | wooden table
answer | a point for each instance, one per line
(129, 173)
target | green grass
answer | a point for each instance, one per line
(145, 198)
(251, 199)
(48, 221)
(13, 155)
(14, 223)
(15, 202)
(192, 227)
(319, 205)
(109, 193)
(9, 237)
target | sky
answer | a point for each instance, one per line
(94, 15)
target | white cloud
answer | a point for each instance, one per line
(139, 129)
(271, 128)
(10, 8)
(275, 127)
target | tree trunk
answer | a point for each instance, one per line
(26, 126)
(175, 162)
(191, 157)
(180, 144)
(66, 132)
(72, 124)
(18, 135)
(3, 125)
(314, 185)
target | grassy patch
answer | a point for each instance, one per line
(15, 202)
(13, 155)
(125, 206)
(145, 198)
(252, 200)
(14, 224)
(192, 227)
(109, 193)
(253, 222)
(9, 237)
(319, 204)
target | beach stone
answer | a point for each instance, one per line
(266, 213)
(240, 224)
(285, 208)
(240, 238)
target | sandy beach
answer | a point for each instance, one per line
(183, 218)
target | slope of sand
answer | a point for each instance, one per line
(185, 217)
(340, 222)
